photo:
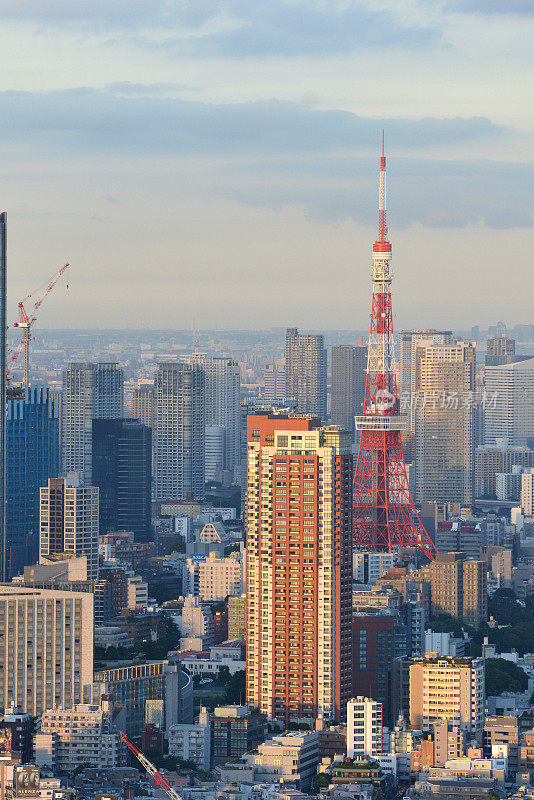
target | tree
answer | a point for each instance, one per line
(504, 676)
(321, 781)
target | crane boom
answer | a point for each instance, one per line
(151, 770)
(26, 321)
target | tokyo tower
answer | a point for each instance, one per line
(385, 518)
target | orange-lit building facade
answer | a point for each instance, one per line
(299, 567)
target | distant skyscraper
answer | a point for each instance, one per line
(444, 422)
(409, 341)
(299, 570)
(90, 391)
(509, 403)
(222, 402)
(143, 404)
(274, 381)
(214, 459)
(122, 469)
(3, 375)
(306, 373)
(179, 431)
(501, 350)
(349, 369)
(32, 458)
(69, 521)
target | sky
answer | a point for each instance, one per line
(214, 163)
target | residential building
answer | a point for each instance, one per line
(122, 470)
(348, 375)
(178, 431)
(274, 381)
(509, 410)
(373, 654)
(90, 391)
(492, 460)
(220, 577)
(306, 363)
(364, 728)
(501, 350)
(84, 735)
(52, 663)
(222, 392)
(409, 341)
(237, 616)
(449, 741)
(197, 620)
(69, 521)
(450, 689)
(137, 591)
(289, 758)
(299, 570)
(368, 567)
(444, 422)
(458, 588)
(137, 685)
(235, 730)
(16, 730)
(143, 404)
(502, 732)
(214, 452)
(527, 493)
(32, 445)
(118, 580)
(191, 742)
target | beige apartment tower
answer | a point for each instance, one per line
(46, 648)
(447, 688)
(458, 588)
(444, 422)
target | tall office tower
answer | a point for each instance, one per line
(450, 689)
(274, 381)
(384, 514)
(222, 402)
(3, 382)
(349, 365)
(299, 568)
(178, 431)
(214, 450)
(122, 470)
(509, 405)
(69, 521)
(46, 652)
(458, 588)
(143, 404)
(306, 363)
(444, 423)
(409, 342)
(364, 728)
(90, 391)
(32, 458)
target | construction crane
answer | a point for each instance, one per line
(26, 321)
(151, 770)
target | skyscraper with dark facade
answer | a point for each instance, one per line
(122, 468)
(349, 366)
(306, 372)
(32, 458)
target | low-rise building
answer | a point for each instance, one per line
(111, 636)
(290, 757)
(192, 742)
(234, 731)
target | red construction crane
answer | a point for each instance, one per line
(151, 770)
(26, 321)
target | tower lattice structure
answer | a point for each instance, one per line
(385, 518)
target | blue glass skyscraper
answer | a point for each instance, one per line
(32, 458)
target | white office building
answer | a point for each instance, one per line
(364, 728)
(509, 406)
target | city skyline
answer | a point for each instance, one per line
(211, 146)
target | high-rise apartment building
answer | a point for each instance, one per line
(491, 460)
(237, 616)
(349, 370)
(501, 350)
(299, 568)
(364, 728)
(46, 649)
(274, 381)
(143, 404)
(90, 391)
(178, 431)
(122, 470)
(373, 653)
(409, 341)
(450, 689)
(214, 451)
(509, 406)
(69, 521)
(527, 493)
(32, 458)
(306, 364)
(458, 588)
(444, 422)
(222, 403)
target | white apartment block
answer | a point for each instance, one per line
(288, 757)
(369, 567)
(447, 688)
(220, 577)
(46, 648)
(192, 742)
(197, 620)
(137, 592)
(68, 521)
(509, 407)
(364, 728)
(79, 736)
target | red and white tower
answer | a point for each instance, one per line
(385, 518)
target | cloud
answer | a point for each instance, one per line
(85, 120)
(233, 27)
(148, 89)
(522, 8)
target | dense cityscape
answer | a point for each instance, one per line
(267, 389)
